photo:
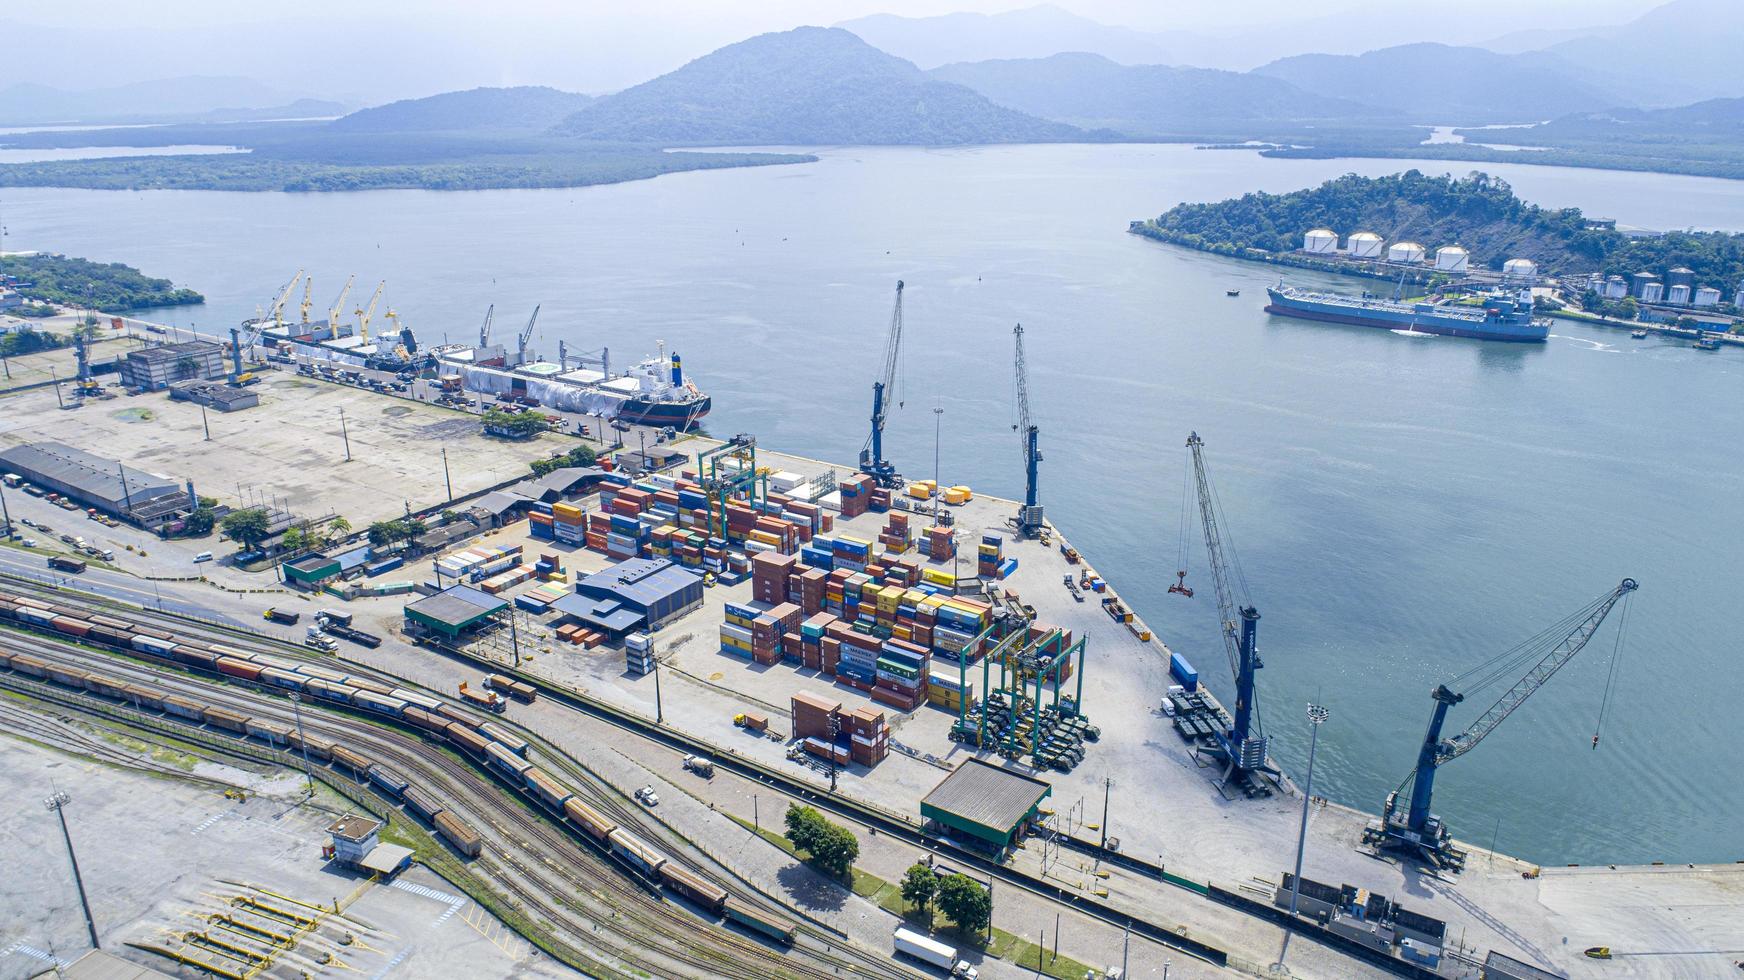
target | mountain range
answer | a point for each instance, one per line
(192, 98)
(528, 108)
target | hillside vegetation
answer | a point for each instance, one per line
(111, 287)
(1478, 211)
(809, 86)
(528, 108)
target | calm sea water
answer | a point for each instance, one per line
(1403, 508)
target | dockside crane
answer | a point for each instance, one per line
(1420, 834)
(526, 336)
(308, 300)
(339, 307)
(366, 314)
(1029, 518)
(277, 313)
(872, 461)
(484, 329)
(1243, 745)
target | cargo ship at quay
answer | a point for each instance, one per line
(1503, 316)
(651, 392)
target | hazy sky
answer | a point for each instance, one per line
(405, 47)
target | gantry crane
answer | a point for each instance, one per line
(872, 461)
(1243, 745)
(1417, 832)
(525, 337)
(365, 314)
(339, 307)
(1029, 518)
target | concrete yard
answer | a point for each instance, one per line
(159, 855)
(290, 447)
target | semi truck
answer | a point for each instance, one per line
(63, 564)
(285, 616)
(934, 953)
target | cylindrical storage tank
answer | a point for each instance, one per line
(1520, 269)
(1451, 258)
(1320, 241)
(1652, 292)
(1409, 253)
(1680, 276)
(1707, 296)
(1365, 245)
(1678, 295)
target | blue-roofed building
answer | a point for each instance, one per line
(642, 593)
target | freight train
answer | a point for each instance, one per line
(484, 741)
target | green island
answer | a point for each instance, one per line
(58, 280)
(1479, 212)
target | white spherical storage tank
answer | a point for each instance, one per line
(1408, 252)
(1520, 269)
(1365, 245)
(1451, 258)
(1320, 241)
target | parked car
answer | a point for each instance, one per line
(647, 797)
(29, 542)
(202, 556)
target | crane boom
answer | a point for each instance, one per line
(484, 330)
(1243, 743)
(277, 313)
(308, 290)
(364, 315)
(872, 459)
(1029, 519)
(339, 306)
(525, 336)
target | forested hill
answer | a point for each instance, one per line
(1479, 212)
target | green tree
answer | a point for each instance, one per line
(199, 523)
(247, 526)
(968, 904)
(513, 425)
(383, 533)
(1628, 309)
(832, 848)
(337, 529)
(296, 539)
(919, 886)
(804, 826)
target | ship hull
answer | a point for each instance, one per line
(677, 414)
(1283, 306)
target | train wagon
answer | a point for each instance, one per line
(143, 695)
(468, 739)
(421, 803)
(193, 655)
(427, 720)
(180, 707)
(693, 886)
(70, 626)
(8, 609)
(456, 832)
(270, 732)
(230, 721)
(319, 749)
(554, 793)
(35, 616)
(153, 645)
(34, 603)
(591, 821)
(29, 666)
(507, 762)
(317, 688)
(365, 684)
(310, 670)
(103, 684)
(358, 763)
(409, 696)
(636, 851)
(452, 713)
(502, 736)
(388, 780)
(239, 668)
(267, 660)
(65, 676)
(111, 622)
(378, 703)
(282, 678)
(778, 928)
(100, 633)
(153, 631)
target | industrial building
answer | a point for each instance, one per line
(356, 843)
(156, 368)
(984, 805)
(642, 593)
(455, 611)
(213, 394)
(312, 571)
(93, 481)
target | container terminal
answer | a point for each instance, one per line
(941, 669)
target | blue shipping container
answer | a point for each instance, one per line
(1183, 671)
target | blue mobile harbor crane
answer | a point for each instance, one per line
(872, 461)
(1242, 746)
(1417, 833)
(1029, 519)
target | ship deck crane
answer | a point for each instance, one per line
(1029, 518)
(484, 328)
(308, 301)
(1243, 745)
(872, 461)
(1421, 834)
(526, 336)
(366, 314)
(339, 307)
(277, 313)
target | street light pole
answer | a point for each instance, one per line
(297, 710)
(57, 803)
(345, 434)
(1316, 715)
(659, 712)
(1107, 783)
(205, 424)
(446, 477)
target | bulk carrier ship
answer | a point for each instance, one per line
(651, 392)
(1502, 316)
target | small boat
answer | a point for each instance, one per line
(1232, 292)
(1706, 343)
(1599, 952)
(1638, 334)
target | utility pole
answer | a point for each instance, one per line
(297, 710)
(1107, 783)
(57, 386)
(345, 434)
(57, 803)
(204, 423)
(445, 474)
(514, 637)
(1316, 715)
(1125, 947)
(659, 712)
(755, 822)
(835, 729)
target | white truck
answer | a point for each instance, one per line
(934, 953)
(699, 765)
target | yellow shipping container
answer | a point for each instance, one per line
(936, 576)
(765, 537)
(567, 513)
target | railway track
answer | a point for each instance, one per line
(703, 951)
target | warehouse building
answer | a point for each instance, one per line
(214, 394)
(156, 368)
(983, 805)
(642, 593)
(312, 571)
(93, 481)
(455, 611)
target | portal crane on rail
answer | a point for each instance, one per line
(525, 337)
(1243, 745)
(1029, 518)
(872, 461)
(1421, 834)
(339, 306)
